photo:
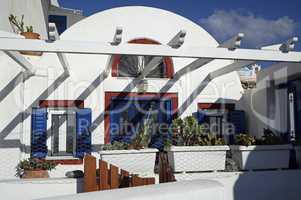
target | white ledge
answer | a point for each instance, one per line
(131, 151)
(261, 147)
(199, 148)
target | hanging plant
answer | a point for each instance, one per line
(18, 25)
(26, 31)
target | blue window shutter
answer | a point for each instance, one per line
(114, 121)
(83, 134)
(168, 108)
(39, 133)
(201, 115)
(165, 116)
(238, 119)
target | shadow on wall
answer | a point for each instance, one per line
(19, 78)
(170, 83)
(95, 83)
(26, 113)
(266, 180)
(276, 185)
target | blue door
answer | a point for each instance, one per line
(127, 115)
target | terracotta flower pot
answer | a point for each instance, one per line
(33, 36)
(35, 174)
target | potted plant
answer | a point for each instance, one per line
(26, 31)
(269, 152)
(135, 157)
(34, 168)
(193, 149)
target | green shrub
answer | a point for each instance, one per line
(269, 138)
(245, 140)
(116, 146)
(188, 132)
(210, 140)
(141, 141)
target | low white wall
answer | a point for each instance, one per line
(192, 190)
(9, 158)
(39, 188)
(259, 185)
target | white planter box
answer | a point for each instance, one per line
(298, 155)
(261, 156)
(140, 162)
(197, 158)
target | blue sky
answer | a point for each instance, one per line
(264, 22)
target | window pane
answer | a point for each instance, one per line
(132, 66)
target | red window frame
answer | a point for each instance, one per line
(167, 60)
(217, 106)
(61, 103)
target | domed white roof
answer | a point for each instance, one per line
(138, 22)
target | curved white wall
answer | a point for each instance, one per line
(137, 22)
(85, 80)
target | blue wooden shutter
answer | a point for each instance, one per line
(157, 140)
(201, 115)
(114, 121)
(83, 134)
(39, 133)
(238, 119)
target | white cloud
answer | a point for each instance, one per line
(258, 31)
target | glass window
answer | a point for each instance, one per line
(132, 66)
(62, 134)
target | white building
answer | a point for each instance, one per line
(64, 105)
(275, 103)
(91, 79)
(13, 81)
(89, 85)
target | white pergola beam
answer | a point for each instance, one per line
(177, 40)
(238, 64)
(289, 45)
(63, 60)
(230, 44)
(153, 63)
(230, 68)
(233, 43)
(118, 36)
(54, 36)
(285, 47)
(77, 47)
(22, 61)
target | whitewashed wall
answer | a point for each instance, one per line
(34, 11)
(86, 81)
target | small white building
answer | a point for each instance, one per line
(275, 103)
(64, 105)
